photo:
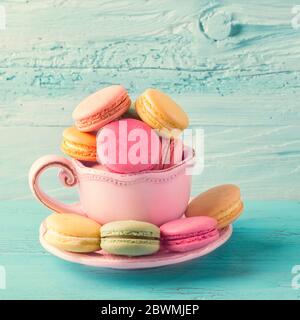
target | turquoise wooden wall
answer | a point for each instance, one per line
(242, 89)
(235, 68)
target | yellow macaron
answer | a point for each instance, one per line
(72, 232)
(160, 112)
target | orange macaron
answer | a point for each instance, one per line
(223, 203)
(79, 145)
(161, 112)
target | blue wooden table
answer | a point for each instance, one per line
(256, 263)
(233, 66)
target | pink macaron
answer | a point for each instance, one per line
(100, 108)
(128, 146)
(189, 233)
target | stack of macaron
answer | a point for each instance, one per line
(205, 217)
(106, 120)
(108, 114)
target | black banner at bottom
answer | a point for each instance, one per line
(129, 309)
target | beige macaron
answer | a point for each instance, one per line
(223, 203)
(72, 232)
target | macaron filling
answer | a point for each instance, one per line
(131, 237)
(105, 113)
(190, 237)
(154, 115)
(130, 243)
(230, 212)
(79, 244)
(65, 237)
(79, 149)
(145, 235)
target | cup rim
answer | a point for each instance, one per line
(189, 161)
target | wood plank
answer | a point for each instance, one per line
(256, 263)
(45, 51)
(203, 110)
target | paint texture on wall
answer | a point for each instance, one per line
(233, 65)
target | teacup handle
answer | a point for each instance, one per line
(67, 176)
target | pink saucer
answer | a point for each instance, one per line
(162, 258)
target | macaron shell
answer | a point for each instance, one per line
(186, 226)
(79, 145)
(72, 244)
(78, 152)
(160, 111)
(130, 238)
(130, 247)
(73, 225)
(213, 201)
(101, 108)
(98, 101)
(191, 243)
(72, 232)
(188, 234)
(130, 228)
(110, 136)
(76, 136)
(232, 214)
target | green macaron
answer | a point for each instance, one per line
(130, 238)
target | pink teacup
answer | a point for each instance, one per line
(153, 196)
